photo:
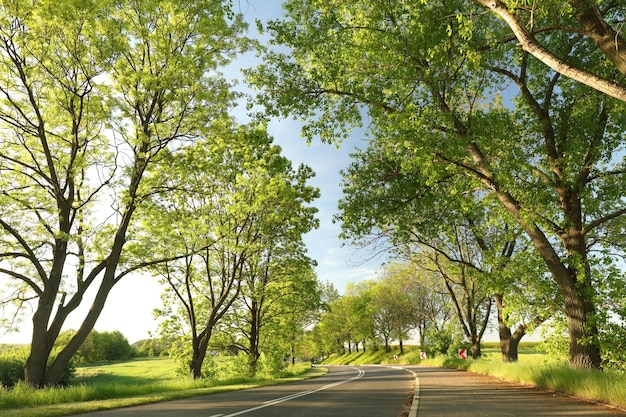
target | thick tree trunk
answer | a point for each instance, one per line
(475, 349)
(40, 348)
(36, 370)
(401, 347)
(584, 348)
(573, 279)
(43, 337)
(509, 343)
(198, 355)
(610, 41)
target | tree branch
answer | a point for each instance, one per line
(531, 45)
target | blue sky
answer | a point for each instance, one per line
(337, 263)
(130, 304)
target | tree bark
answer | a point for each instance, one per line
(198, 355)
(609, 41)
(36, 371)
(475, 349)
(532, 46)
(254, 354)
(509, 342)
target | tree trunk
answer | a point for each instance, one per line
(509, 342)
(43, 338)
(40, 348)
(573, 279)
(36, 371)
(401, 347)
(200, 345)
(475, 349)
(422, 330)
(254, 354)
(584, 349)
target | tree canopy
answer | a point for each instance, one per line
(226, 202)
(461, 109)
(92, 93)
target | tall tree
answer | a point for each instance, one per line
(92, 92)
(469, 293)
(431, 87)
(295, 311)
(360, 308)
(207, 216)
(396, 295)
(278, 199)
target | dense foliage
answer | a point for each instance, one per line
(459, 115)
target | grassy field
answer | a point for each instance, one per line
(533, 368)
(139, 381)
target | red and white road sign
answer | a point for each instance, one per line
(463, 353)
(422, 355)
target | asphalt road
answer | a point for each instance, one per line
(343, 392)
(450, 393)
(373, 391)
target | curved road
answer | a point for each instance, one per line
(374, 391)
(345, 391)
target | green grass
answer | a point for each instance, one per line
(533, 368)
(370, 356)
(143, 371)
(106, 386)
(603, 386)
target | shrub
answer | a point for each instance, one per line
(443, 342)
(11, 371)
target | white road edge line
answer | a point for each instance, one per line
(416, 395)
(297, 395)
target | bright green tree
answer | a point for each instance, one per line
(92, 93)
(467, 289)
(277, 199)
(431, 85)
(205, 221)
(221, 199)
(298, 309)
(358, 296)
(396, 302)
(271, 292)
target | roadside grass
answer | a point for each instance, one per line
(533, 368)
(380, 356)
(140, 381)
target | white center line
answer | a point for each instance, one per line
(296, 395)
